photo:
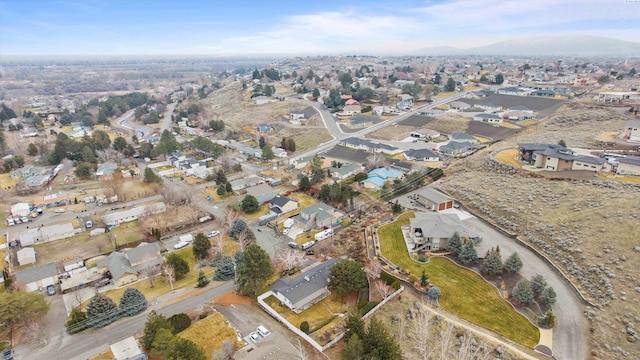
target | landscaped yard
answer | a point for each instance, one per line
(209, 333)
(464, 292)
(509, 157)
(262, 210)
(161, 285)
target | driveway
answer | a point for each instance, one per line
(281, 344)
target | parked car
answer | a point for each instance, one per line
(263, 331)
(181, 244)
(60, 211)
(89, 224)
(51, 290)
(10, 222)
(213, 233)
(103, 282)
(254, 337)
(293, 245)
(310, 252)
(115, 207)
(25, 219)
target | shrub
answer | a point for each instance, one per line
(434, 293)
(180, 322)
(203, 316)
(304, 326)
(370, 305)
(390, 280)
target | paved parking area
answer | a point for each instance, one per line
(281, 344)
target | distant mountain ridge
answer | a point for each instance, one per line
(562, 45)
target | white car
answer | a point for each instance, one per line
(180, 244)
(263, 331)
(285, 231)
(60, 211)
(213, 233)
(254, 337)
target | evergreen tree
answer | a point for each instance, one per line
(238, 227)
(132, 302)
(182, 349)
(162, 342)
(179, 265)
(492, 263)
(315, 168)
(538, 285)
(353, 348)
(347, 276)
(548, 296)
(228, 188)
(221, 190)
(424, 279)
(151, 177)
(451, 84)
(379, 344)
(101, 311)
(254, 270)
(179, 322)
(434, 292)
(32, 150)
(250, 204)
(201, 246)
(225, 269)
(454, 244)
(304, 184)
(396, 207)
(154, 323)
(513, 264)
(354, 326)
(262, 142)
(522, 291)
(202, 280)
(221, 178)
(77, 321)
(468, 254)
(267, 153)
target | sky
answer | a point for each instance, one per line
(249, 27)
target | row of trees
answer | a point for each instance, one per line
(527, 291)
(102, 311)
(160, 337)
(369, 342)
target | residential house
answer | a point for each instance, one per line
(368, 145)
(297, 117)
(122, 273)
(543, 93)
(79, 133)
(629, 165)
(344, 171)
(431, 112)
(555, 157)
(279, 152)
(455, 148)
(617, 96)
(303, 291)
(351, 102)
(318, 215)
(421, 155)
(427, 134)
(632, 130)
(127, 349)
(282, 205)
(488, 118)
(261, 100)
(377, 177)
(37, 278)
(26, 256)
(360, 121)
(350, 110)
(489, 107)
(404, 105)
(513, 90)
(118, 217)
(458, 105)
(433, 199)
(521, 108)
(462, 137)
(105, 170)
(430, 231)
(476, 95)
(262, 192)
(245, 182)
(264, 128)
(145, 255)
(47, 233)
(384, 110)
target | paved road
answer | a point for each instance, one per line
(334, 128)
(167, 121)
(569, 337)
(94, 342)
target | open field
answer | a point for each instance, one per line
(449, 123)
(588, 228)
(209, 333)
(464, 293)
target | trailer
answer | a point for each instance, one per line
(323, 234)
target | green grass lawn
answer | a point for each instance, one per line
(464, 293)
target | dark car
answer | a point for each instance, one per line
(51, 290)
(310, 252)
(103, 282)
(7, 354)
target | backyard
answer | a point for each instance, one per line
(464, 292)
(209, 333)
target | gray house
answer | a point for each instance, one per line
(262, 192)
(303, 291)
(38, 277)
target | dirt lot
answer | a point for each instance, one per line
(589, 228)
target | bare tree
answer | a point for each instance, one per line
(109, 155)
(115, 184)
(469, 349)
(151, 269)
(383, 289)
(290, 259)
(170, 273)
(230, 217)
(225, 162)
(376, 160)
(373, 269)
(445, 340)
(419, 332)
(301, 352)
(244, 240)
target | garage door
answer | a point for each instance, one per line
(32, 286)
(47, 281)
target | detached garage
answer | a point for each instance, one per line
(38, 277)
(434, 200)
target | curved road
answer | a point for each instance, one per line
(142, 132)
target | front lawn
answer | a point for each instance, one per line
(464, 293)
(209, 334)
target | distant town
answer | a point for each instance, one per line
(361, 207)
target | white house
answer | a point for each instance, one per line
(488, 118)
(632, 130)
(26, 256)
(133, 214)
